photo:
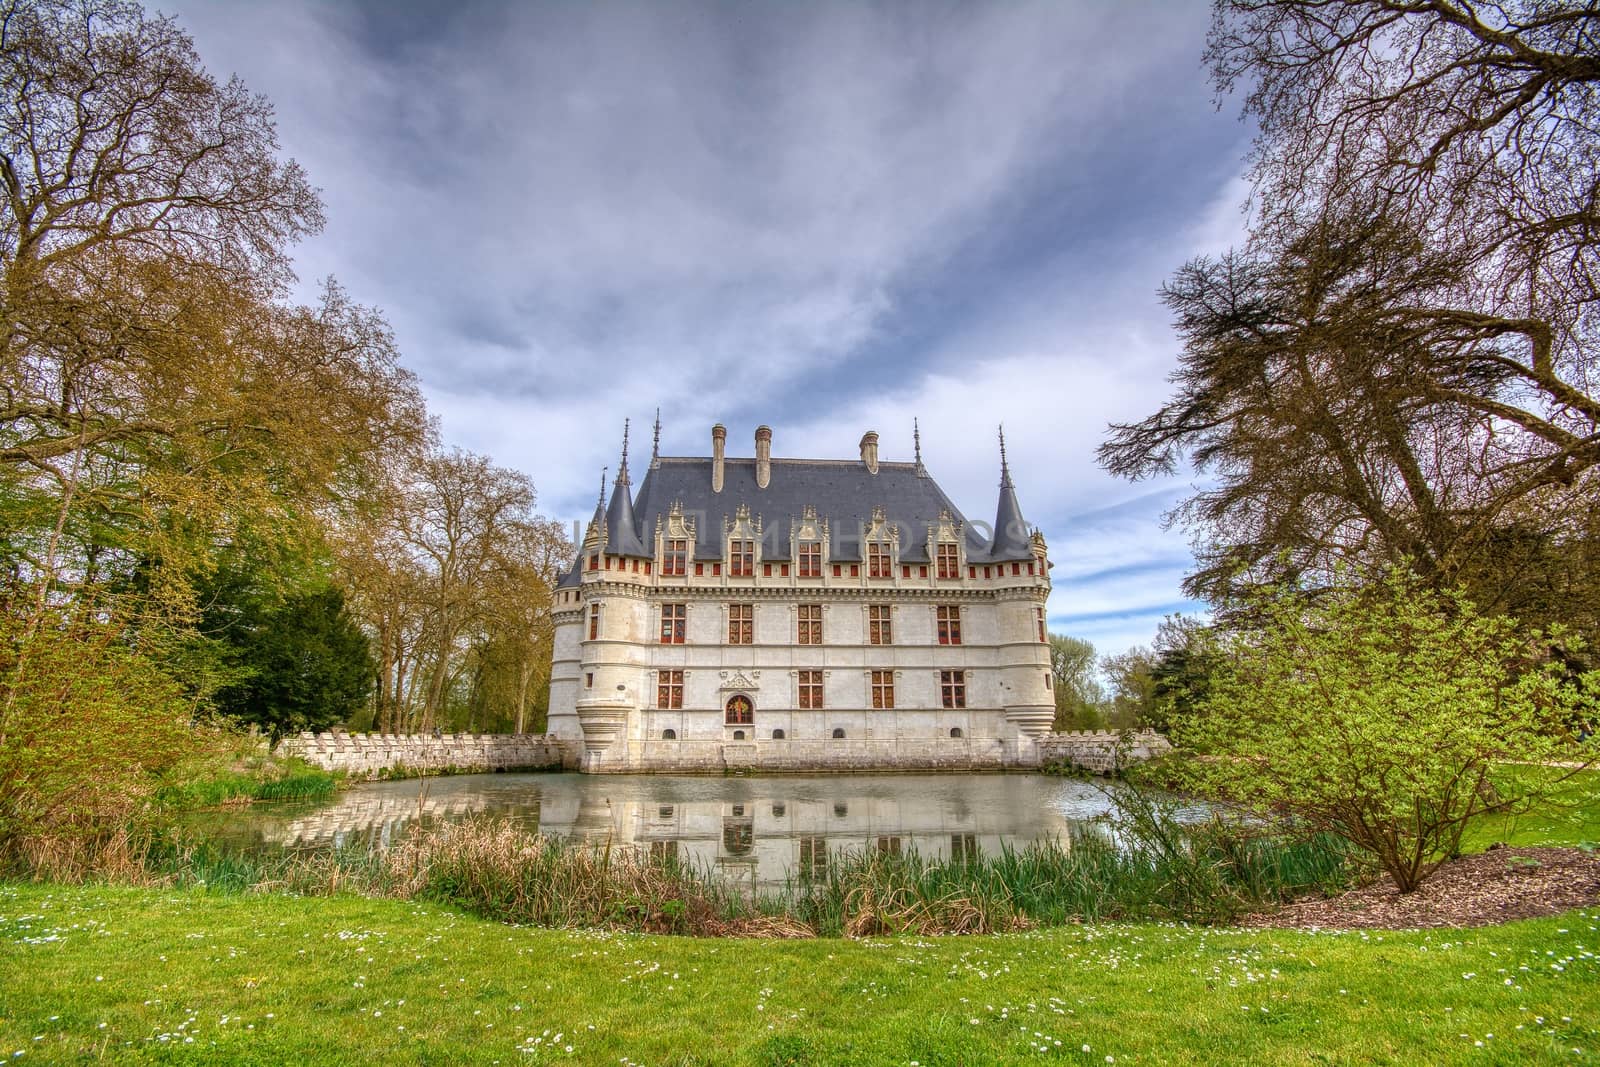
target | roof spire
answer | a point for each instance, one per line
(600, 502)
(1005, 470)
(916, 442)
(622, 471)
(655, 446)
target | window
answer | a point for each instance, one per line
(1016, 570)
(838, 734)
(953, 688)
(813, 854)
(883, 689)
(880, 627)
(838, 569)
(955, 731)
(811, 559)
(663, 851)
(669, 689)
(810, 686)
(878, 565)
(889, 846)
(594, 563)
(669, 735)
(741, 624)
(1038, 614)
(855, 570)
(699, 569)
(739, 711)
(777, 735)
(738, 835)
(810, 624)
(949, 563)
(949, 619)
(588, 680)
(673, 620)
(675, 557)
(963, 848)
(766, 570)
(741, 559)
(594, 621)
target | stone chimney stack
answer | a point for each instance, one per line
(869, 450)
(763, 456)
(719, 438)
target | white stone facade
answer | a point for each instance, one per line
(617, 645)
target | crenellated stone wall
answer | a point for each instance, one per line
(1100, 751)
(368, 755)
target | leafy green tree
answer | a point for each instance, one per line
(1079, 695)
(303, 663)
(1380, 713)
(1131, 676)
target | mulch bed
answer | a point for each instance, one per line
(1496, 886)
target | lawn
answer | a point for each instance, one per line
(162, 976)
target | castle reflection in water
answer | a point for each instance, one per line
(751, 831)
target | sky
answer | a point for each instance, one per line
(824, 217)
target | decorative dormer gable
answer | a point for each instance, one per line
(741, 539)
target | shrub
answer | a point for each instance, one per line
(1378, 714)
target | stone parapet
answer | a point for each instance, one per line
(1100, 751)
(370, 755)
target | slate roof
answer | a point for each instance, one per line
(843, 492)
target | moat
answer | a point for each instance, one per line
(752, 831)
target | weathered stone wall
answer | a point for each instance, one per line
(1100, 751)
(367, 755)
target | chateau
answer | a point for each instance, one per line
(800, 614)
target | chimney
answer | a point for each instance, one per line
(869, 450)
(763, 456)
(719, 435)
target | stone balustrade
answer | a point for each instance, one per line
(370, 755)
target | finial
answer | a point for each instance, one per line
(916, 441)
(600, 504)
(622, 471)
(655, 446)
(1005, 470)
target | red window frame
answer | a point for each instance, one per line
(949, 560)
(674, 557)
(809, 624)
(594, 621)
(949, 621)
(880, 624)
(669, 690)
(741, 624)
(674, 623)
(879, 563)
(809, 684)
(882, 689)
(810, 559)
(953, 688)
(741, 559)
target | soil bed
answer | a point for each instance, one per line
(1491, 887)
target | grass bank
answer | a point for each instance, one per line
(165, 976)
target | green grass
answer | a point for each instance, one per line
(296, 780)
(166, 976)
(1571, 816)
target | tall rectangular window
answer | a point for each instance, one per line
(675, 557)
(953, 688)
(883, 689)
(810, 559)
(813, 854)
(1044, 635)
(878, 565)
(669, 689)
(810, 624)
(949, 562)
(810, 684)
(741, 624)
(674, 620)
(880, 625)
(741, 559)
(949, 619)
(594, 621)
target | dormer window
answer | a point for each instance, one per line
(742, 558)
(810, 559)
(949, 561)
(878, 561)
(675, 557)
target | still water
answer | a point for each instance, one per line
(750, 831)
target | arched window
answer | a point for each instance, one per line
(669, 735)
(777, 735)
(739, 711)
(955, 731)
(838, 731)
(841, 810)
(738, 735)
